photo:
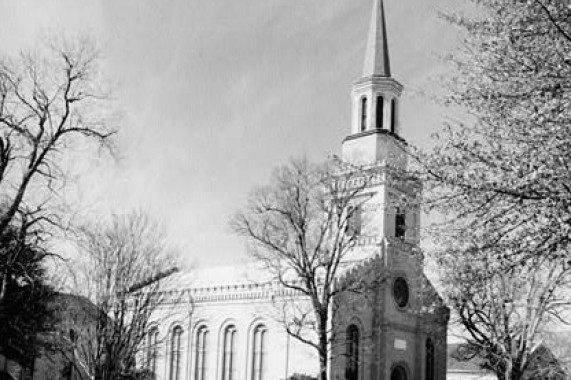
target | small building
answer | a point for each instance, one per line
(545, 365)
(71, 313)
(465, 369)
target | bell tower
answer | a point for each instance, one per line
(375, 125)
(375, 141)
(398, 332)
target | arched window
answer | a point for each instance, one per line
(363, 114)
(259, 352)
(352, 348)
(176, 338)
(152, 349)
(429, 360)
(399, 373)
(393, 115)
(380, 111)
(229, 354)
(200, 354)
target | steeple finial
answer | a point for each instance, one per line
(377, 55)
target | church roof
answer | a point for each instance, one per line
(223, 275)
(543, 358)
(377, 61)
(244, 273)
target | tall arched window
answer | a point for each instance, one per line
(352, 354)
(176, 338)
(200, 354)
(393, 115)
(229, 354)
(259, 352)
(152, 349)
(380, 111)
(399, 373)
(363, 114)
(429, 360)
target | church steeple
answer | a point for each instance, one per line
(377, 62)
(375, 125)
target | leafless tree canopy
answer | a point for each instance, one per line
(300, 227)
(50, 105)
(507, 312)
(128, 264)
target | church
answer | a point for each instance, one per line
(227, 329)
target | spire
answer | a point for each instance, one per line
(377, 54)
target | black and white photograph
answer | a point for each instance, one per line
(285, 189)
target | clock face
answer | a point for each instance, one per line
(401, 292)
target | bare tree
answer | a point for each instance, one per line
(50, 102)
(302, 227)
(128, 267)
(506, 311)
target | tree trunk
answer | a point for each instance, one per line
(323, 338)
(516, 375)
(510, 373)
(322, 362)
(3, 281)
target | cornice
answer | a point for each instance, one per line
(379, 81)
(231, 293)
(375, 132)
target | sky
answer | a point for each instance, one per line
(214, 94)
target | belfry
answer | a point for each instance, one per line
(375, 126)
(398, 331)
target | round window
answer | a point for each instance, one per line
(400, 292)
(399, 373)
